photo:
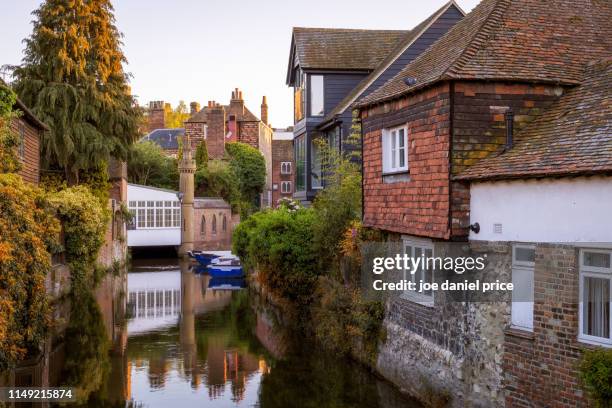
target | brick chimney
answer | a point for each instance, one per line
(215, 140)
(155, 118)
(237, 103)
(194, 108)
(264, 110)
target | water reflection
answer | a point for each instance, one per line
(190, 343)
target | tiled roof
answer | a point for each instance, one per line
(342, 48)
(167, 139)
(407, 40)
(515, 40)
(242, 114)
(574, 136)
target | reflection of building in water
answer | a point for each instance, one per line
(154, 300)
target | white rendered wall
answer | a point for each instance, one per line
(548, 210)
(152, 236)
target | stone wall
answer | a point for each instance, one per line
(449, 353)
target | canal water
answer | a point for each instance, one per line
(190, 342)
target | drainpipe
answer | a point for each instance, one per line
(509, 117)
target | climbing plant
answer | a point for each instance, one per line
(28, 234)
(84, 220)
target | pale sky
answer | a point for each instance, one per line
(200, 50)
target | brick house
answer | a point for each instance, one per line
(506, 65)
(283, 165)
(329, 69)
(559, 168)
(218, 124)
(29, 129)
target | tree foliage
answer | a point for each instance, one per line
(149, 166)
(249, 168)
(218, 180)
(9, 162)
(201, 155)
(72, 78)
(175, 118)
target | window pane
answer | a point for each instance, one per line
(522, 298)
(300, 162)
(316, 95)
(393, 149)
(168, 217)
(150, 218)
(596, 307)
(159, 217)
(141, 218)
(597, 259)
(524, 254)
(316, 167)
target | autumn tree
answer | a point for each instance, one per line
(72, 78)
(174, 118)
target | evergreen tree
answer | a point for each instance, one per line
(72, 78)
(201, 155)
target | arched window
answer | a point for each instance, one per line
(224, 223)
(214, 224)
(203, 226)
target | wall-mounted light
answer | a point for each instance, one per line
(475, 227)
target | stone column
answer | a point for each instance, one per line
(187, 168)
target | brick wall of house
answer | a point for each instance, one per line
(215, 141)
(282, 151)
(421, 205)
(248, 132)
(195, 131)
(29, 152)
(479, 129)
(541, 368)
(418, 206)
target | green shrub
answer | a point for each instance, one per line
(596, 375)
(279, 244)
(345, 323)
(84, 220)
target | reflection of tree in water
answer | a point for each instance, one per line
(87, 363)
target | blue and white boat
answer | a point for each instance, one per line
(226, 283)
(203, 258)
(225, 268)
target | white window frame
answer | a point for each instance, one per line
(284, 188)
(415, 296)
(392, 152)
(285, 167)
(600, 273)
(521, 315)
(158, 214)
